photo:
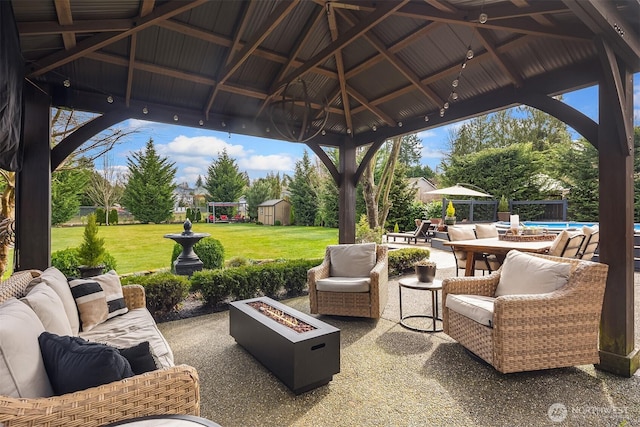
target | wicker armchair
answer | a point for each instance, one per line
(369, 303)
(534, 331)
(173, 390)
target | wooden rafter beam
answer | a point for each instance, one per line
(374, 109)
(447, 71)
(191, 77)
(368, 22)
(606, 21)
(99, 41)
(40, 28)
(223, 41)
(146, 7)
(502, 62)
(333, 28)
(63, 10)
(300, 43)
(441, 6)
(519, 25)
(540, 18)
(615, 90)
(395, 48)
(397, 63)
(130, 67)
(273, 20)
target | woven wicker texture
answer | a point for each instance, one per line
(360, 304)
(539, 331)
(14, 286)
(174, 390)
(168, 391)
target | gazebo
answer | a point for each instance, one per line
(344, 74)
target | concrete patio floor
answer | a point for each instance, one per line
(391, 376)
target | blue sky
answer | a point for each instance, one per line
(194, 149)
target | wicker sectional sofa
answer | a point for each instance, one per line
(168, 390)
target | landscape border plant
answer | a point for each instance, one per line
(403, 260)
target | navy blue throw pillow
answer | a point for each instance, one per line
(74, 364)
(140, 358)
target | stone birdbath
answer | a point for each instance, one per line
(187, 262)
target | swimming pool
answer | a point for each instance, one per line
(562, 225)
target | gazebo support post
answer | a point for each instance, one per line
(33, 185)
(617, 350)
(347, 210)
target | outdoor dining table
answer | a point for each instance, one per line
(494, 246)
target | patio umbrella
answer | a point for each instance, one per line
(459, 190)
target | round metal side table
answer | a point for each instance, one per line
(433, 287)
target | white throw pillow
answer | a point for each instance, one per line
(352, 260)
(58, 282)
(48, 306)
(526, 274)
(22, 371)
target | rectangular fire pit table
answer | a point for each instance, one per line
(302, 360)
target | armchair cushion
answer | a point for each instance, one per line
(48, 306)
(526, 274)
(22, 370)
(476, 307)
(343, 284)
(352, 260)
(56, 281)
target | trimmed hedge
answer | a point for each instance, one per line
(271, 279)
(209, 250)
(163, 291)
(402, 260)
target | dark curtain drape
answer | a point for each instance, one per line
(11, 75)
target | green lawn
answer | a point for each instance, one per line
(143, 247)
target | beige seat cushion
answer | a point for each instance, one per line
(461, 233)
(484, 231)
(47, 305)
(352, 260)
(344, 284)
(22, 371)
(526, 274)
(476, 307)
(58, 282)
(132, 328)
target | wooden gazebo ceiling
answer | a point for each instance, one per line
(378, 68)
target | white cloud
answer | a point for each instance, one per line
(273, 162)
(427, 134)
(198, 146)
(429, 153)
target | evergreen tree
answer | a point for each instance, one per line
(224, 182)
(199, 182)
(257, 193)
(148, 194)
(275, 185)
(91, 251)
(67, 185)
(328, 196)
(402, 196)
(303, 194)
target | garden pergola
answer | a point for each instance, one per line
(344, 74)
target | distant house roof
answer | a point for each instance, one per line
(272, 202)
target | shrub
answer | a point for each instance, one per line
(402, 260)
(113, 216)
(277, 222)
(164, 291)
(91, 251)
(295, 274)
(209, 250)
(211, 285)
(268, 277)
(364, 234)
(101, 216)
(236, 261)
(433, 210)
(67, 261)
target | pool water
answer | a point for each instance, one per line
(563, 225)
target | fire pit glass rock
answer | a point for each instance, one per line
(187, 262)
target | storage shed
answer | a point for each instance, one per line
(274, 210)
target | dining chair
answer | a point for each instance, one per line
(485, 231)
(466, 233)
(567, 245)
(590, 243)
